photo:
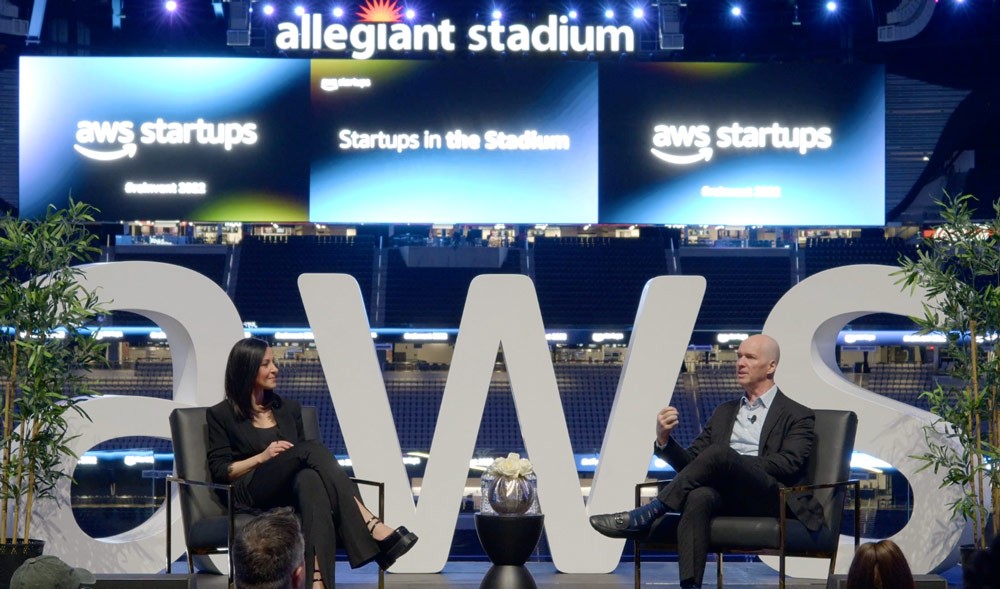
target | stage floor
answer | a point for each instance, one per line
(468, 575)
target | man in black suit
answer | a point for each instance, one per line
(749, 448)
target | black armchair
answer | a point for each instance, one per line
(829, 468)
(210, 523)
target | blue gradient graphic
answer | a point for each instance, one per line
(56, 93)
(450, 186)
(842, 185)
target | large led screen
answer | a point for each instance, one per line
(490, 141)
(742, 144)
(166, 138)
(412, 141)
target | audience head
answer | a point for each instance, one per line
(880, 565)
(242, 370)
(268, 552)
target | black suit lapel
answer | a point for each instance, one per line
(245, 429)
(774, 414)
(286, 423)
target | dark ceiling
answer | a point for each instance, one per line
(957, 48)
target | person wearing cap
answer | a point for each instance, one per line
(48, 572)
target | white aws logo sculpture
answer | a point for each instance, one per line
(201, 325)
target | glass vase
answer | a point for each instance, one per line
(485, 485)
(511, 495)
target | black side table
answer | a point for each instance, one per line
(508, 540)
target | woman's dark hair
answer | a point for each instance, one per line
(241, 375)
(879, 565)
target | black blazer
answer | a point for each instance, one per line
(786, 441)
(231, 439)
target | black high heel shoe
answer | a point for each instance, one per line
(394, 546)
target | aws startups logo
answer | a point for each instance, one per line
(683, 145)
(106, 141)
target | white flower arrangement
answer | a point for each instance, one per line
(512, 466)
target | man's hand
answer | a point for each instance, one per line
(666, 420)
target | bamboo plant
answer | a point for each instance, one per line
(45, 352)
(959, 268)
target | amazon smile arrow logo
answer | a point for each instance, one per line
(127, 150)
(704, 154)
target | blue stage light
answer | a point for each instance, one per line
(269, 9)
(338, 12)
(497, 14)
(609, 14)
(831, 6)
(300, 10)
(170, 5)
(638, 13)
(736, 11)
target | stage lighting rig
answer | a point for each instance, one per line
(671, 37)
(906, 20)
(238, 31)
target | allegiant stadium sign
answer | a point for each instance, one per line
(363, 39)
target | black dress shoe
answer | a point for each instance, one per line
(394, 546)
(617, 525)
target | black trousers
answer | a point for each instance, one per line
(308, 478)
(718, 482)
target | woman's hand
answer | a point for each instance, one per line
(274, 449)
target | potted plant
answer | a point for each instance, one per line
(959, 267)
(44, 354)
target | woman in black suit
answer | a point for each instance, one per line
(255, 442)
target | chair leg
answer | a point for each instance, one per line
(781, 569)
(718, 569)
(637, 560)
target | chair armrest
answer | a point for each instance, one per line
(193, 483)
(227, 488)
(381, 493)
(367, 482)
(785, 491)
(804, 488)
(647, 485)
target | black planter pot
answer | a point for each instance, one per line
(975, 565)
(13, 554)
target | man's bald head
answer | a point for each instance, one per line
(756, 360)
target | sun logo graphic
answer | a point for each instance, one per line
(375, 11)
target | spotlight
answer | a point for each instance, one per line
(269, 9)
(170, 6)
(831, 6)
(573, 14)
(338, 12)
(411, 14)
(300, 10)
(638, 13)
(736, 11)
(609, 14)
(497, 15)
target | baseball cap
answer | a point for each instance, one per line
(48, 572)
